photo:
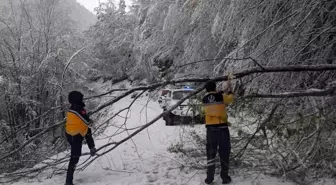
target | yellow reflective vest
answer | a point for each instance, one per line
(76, 124)
(214, 106)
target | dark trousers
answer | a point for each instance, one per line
(218, 140)
(76, 143)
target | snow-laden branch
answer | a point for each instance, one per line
(221, 59)
(106, 93)
(68, 63)
(32, 139)
(260, 127)
(25, 125)
(274, 69)
(310, 92)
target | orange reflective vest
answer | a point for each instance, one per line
(76, 124)
(214, 105)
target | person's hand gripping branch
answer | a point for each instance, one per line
(228, 89)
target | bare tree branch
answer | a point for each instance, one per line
(327, 92)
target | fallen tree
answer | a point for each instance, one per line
(53, 164)
(279, 69)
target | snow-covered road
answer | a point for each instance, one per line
(145, 159)
(142, 160)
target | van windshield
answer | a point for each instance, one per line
(178, 95)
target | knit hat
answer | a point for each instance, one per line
(76, 98)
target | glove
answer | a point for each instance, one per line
(90, 122)
(93, 151)
(231, 76)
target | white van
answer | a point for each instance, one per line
(187, 112)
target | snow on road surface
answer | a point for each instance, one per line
(143, 160)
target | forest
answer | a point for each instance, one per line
(282, 54)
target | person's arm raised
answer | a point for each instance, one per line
(228, 96)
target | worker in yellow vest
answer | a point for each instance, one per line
(77, 128)
(218, 135)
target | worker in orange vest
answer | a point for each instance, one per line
(217, 133)
(77, 128)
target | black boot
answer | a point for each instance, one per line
(69, 179)
(226, 180)
(208, 181)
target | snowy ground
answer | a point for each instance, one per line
(145, 160)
